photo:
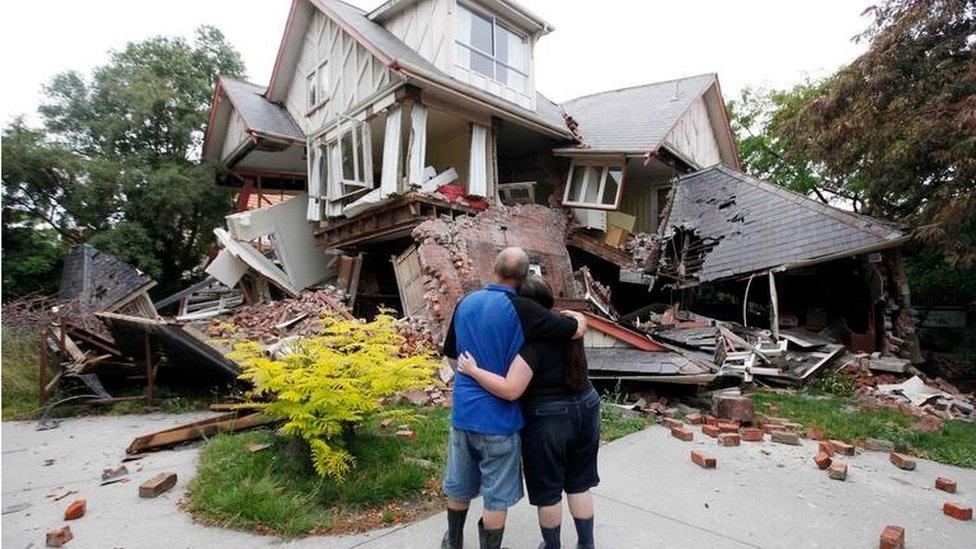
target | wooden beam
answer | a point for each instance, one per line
(227, 423)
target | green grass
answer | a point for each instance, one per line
(840, 418)
(277, 491)
(617, 423)
(19, 373)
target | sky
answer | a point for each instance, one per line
(596, 46)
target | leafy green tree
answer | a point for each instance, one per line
(117, 162)
(898, 125)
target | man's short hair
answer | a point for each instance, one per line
(512, 264)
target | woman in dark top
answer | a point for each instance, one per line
(561, 436)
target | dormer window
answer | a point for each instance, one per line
(317, 85)
(492, 48)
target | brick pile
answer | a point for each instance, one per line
(270, 321)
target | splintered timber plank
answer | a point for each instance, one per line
(184, 433)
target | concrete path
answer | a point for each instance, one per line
(652, 495)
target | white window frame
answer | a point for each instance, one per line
(319, 77)
(362, 172)
(606, 165)
(495, 22)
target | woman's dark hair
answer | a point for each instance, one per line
(537, 289)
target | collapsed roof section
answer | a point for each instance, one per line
(97, 281)
(725, 224)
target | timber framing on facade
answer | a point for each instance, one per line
(413, 144)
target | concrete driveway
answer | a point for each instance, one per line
(652, 495)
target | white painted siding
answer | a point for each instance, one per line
(354, 74)
(428, 28)
(235, 134)
(693, 136)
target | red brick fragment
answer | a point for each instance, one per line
(710, 420)
(671, 423)
(386, 423)
(902, 461)
(682, 434)
(814, 433)
(728, 426)
(837, 470)
(957, 511)
(752, 434)
(695, 418)
(76, 510)
(826, 447)
(710, 430)
(157, 485)
(703, 460)
(945, 484)
(769, 427)
(729, 439)
(58, 537)
(842, 448)
(738, 408)
(822, 460)
(892, 537)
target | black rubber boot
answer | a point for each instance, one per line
(490, 539)
(550, 537)
(454, 537)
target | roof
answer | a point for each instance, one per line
(98, 281)
(401, 58)
(747, 225)
(636, 119)
(508, 9)
(260, 115)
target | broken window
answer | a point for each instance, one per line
(595, 185)
(489, 47)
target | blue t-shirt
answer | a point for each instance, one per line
(486, 325)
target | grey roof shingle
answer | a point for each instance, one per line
(96, 281)
(757, 226)
(637, 118)
(258, 113)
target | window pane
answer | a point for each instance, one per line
(481, 33)
(510, 48)
(463, 25)
(310, 85)
(323, 170)
(463, 56)
(595, 173)
(614, 175)
(360, 154)
(509, 77)
(323, 80)
(348, 166)
(575, 184)
(482, 63)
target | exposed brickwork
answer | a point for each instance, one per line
(457, 256)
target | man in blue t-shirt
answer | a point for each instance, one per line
(484, 449)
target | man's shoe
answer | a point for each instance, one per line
(490, 539)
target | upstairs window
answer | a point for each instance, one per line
(490, 47)
(594, 185)
(352, 162)
(317, 85)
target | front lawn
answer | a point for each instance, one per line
(841, 418)
(276, 490)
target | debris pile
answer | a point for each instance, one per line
(917, 397)
(271, 321)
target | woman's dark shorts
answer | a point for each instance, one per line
(560, 442)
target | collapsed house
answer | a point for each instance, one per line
(395, 152)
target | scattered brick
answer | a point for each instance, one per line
(682, 434)
(837, 470)
(710, 420)
(902, 461)
(945, 484)
(58, 537)
(76, 510)
(892, 537)
(671, 423)
(157, 485)
(785, 437)
(957, 511)
(842, 448)
(407, 434)
(695, 418)
(769, 427)
(728, 426)
(703, 460)
(752, 434)
(826, 447)
(822, 460)
(814, 433)
(738, 408)
(710, 430)
(728, 439)
(384, 424)
(877, 445)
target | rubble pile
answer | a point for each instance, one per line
(270, 321)
(932, 400)
(645, 249)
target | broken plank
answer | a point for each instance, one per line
(195, 431)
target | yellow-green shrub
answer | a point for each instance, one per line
(332, 382)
